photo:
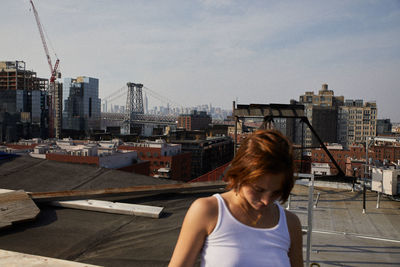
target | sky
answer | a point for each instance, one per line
(216, 51)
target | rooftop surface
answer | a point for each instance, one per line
(342, 234)
(38, 175)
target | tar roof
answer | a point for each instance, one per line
(37, 175)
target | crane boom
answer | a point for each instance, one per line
(54, 115)
(53, 70)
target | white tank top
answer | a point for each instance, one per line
(233, 243)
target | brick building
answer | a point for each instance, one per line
(207, 153)
(379, 151)
(166, 160)
(194, 121)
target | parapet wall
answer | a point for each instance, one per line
(73, 159)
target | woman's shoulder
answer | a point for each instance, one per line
(204, 211)
(206, 206)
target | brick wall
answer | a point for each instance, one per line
(140, 168)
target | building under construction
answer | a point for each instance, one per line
(23, 108)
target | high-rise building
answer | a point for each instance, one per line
(337, 120)
(321, 111)
(356, 121)
(23, 98)
(81, 104)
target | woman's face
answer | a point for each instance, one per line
(263, 191)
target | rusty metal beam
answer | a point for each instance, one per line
(275, 110)
(126, 192)
(306, 121)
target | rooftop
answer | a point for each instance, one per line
(342, 235)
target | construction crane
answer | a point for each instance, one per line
(53, 71)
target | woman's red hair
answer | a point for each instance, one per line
(263, 152)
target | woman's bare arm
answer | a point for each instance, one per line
(199, 222)
(296, 240)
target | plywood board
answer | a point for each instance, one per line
(127, 191)
(111, 207)
(16, 206)
(11, 258)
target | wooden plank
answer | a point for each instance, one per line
(16, 206)
(111, 207)
(127, 191)
(5, 224)
(11, 258)
(5, 190)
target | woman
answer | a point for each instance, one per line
(246, 226)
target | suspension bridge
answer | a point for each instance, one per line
(134, 119)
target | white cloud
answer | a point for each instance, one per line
(215, 51)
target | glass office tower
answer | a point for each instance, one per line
(81, 104)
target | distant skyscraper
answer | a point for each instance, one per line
(321, 111)
(81, 104)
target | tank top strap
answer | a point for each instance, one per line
(282, 223)
(221, 210)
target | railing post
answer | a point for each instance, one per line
(288, 203)
(309, 218)
(378, 199)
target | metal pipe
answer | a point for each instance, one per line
(365, 175)
(378, 199)
(316, 201)
(309, 218)
(356, 235)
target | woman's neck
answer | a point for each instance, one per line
(254, 216)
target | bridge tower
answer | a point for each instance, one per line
(134, 108)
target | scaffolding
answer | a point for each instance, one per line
(14, 76)
(295, 120)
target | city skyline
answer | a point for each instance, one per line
(218, 51)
